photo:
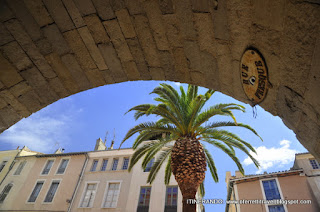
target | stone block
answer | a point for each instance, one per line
(201, 6)
(134, 7)
(29, 47)
(81, 52)
(209, 68)
(118, 4)
(16, 105)
(156, 24)
(59, 15)
(197, 78)
(167, 63)
(157, 73)
(53, 34)
(166, 7)
(9, 116)
(220, 21)
(204, 26)
(74, 13)
(58, 87)
(2, 103)
(192, 53)
(185, 19)
(181, 65)
(146, 40)
(269, 13)
(126, 23)
(110, 56)
(8, 74)
(40, 85)
(131, 70)
(39, 12)
(5, 36)
(62, 72)
(96, 29)
(44, 46)
(173, 31)
(104, 9)
(85, 7)
(20, 89)
(31, 101)
(138, 56)
(289, 106)
(76, 71)
(22, 13)
(5, 12)
(96, 77)
(16, 56)
(118, 40)
(92, 48)
(108, 76)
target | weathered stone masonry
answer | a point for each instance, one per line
(52, 49)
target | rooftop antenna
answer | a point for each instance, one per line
(114, 137)
(105, 139)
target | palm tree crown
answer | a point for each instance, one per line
(183, 119)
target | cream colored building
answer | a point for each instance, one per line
(107, 185)
(294, 190)
(46, 182)
(86, 181)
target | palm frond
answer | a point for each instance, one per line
(168, 172)
(157, 164)
(211, 165)
(227, 151)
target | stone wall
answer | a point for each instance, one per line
(52, 49)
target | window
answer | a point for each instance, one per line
(271, 192)
(271, 189)
(115, 164)
(314, 163)
(63, 166)
(125, 163)
(112, 196)
(20, 167)
(36, 191)
(94, 165)
(149, 165)
(276, 208)
(171, 199)
(89, 195)
(104, 164)
(5, 192)
(3, 164)
(52, 190)
(48, 166)
(144, 199)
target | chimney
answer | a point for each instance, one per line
(228, 177)
(238, 174)
(99, 145)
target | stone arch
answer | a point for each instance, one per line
(53, 49)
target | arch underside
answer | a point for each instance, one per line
(53, 49)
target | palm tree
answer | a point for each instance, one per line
(180, 134)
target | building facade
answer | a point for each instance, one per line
(86, 181)
(286, 191)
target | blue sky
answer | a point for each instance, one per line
(74, 123)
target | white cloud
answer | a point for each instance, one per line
(273, 157)
(44, 131)
(177, 84)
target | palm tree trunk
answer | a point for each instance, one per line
(188, 206)
(188, 164)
